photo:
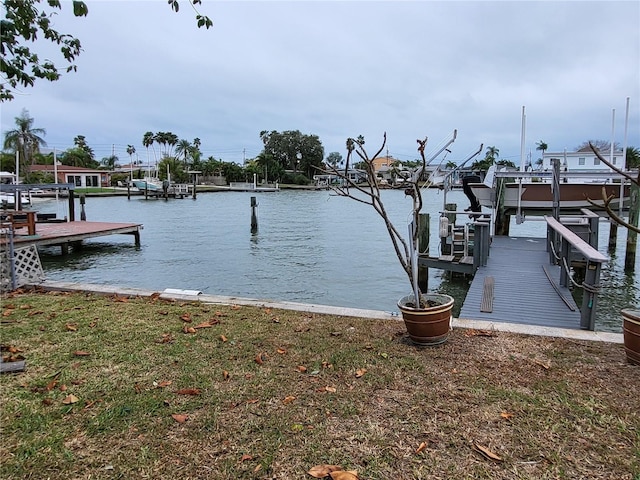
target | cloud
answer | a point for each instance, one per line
(338, 69)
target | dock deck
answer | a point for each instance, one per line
(69, 233)
(514, 287)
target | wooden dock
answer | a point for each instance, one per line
(519, 285)
(65, 234)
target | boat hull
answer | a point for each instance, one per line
(539, 196)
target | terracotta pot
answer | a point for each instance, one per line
(631, 328)
(430, 325)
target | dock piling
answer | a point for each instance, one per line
(254, 215)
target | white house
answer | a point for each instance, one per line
(583, 160)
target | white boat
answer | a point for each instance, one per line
(149, 184)
(530, 195)
(8, 199)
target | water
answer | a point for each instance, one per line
(311, 247)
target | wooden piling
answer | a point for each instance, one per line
(254, 215)
(83, 215)
(72, 206)
(632, 236)
(423, 249)
(613, 236)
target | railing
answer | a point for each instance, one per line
(559, 235)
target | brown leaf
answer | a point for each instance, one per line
(321, 471)
(162, 384)
(71, 327)
(51, 385)
(506, 415)
(225, 375)
(223, 338)
(421, 447)
(344, 475)
(118, 298)
(488, 453)
(69, 399)
(330, 389)
(360, 372)
(189, 391)
(47, 401)
(63, 388)
(282, 351)
(288, 399)
(180, 418)
(81, 353)
(188, 329)
(545, 365)
(302, 368)
(235, 307)
(246, 457)
(208, 324)
(186, 317)
(258, 359)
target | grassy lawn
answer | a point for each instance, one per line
(124, 388)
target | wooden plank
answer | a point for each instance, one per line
(486, 304)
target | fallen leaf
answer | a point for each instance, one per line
(187, 329)
(281, 351)
(506, 415)
(63, 388)
(180, 418)
(330, 389)
(246, 457)
(258, 359)
(52, 384)
(208, 324)
(545, 365)
(321, 471)
(421, 447)
(288, 399)
(69, 399)
(223, 338)
(344, 475)
(118, 298)
(162, 384)
(302, 368)
(71, 327)
(488, 453)
(360, 372)
(186, 317)
(47, 401)
(235, 307)
(189, 391)
(81, 353)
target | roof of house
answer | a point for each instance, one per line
(65, 168)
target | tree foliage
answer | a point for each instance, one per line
(291, 150)
(24, 22)
(25, 139)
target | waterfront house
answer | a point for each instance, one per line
(79, 176)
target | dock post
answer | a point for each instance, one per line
(194, 190)
(128, 190)
(72, 206)
(632, 236)
(613, 235)
(254, 215)
(590, 296)
(423, 249)
(83, 215)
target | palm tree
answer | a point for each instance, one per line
(147, 140)
(131, 150)
(541, 145)
(184, 148)
(25, 140)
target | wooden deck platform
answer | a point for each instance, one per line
(519, 285)
(70, 233)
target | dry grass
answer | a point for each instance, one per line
(279, 392)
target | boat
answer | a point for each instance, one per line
(8, 199)
(153, 185)
(533, 191)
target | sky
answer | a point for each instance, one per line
(339, 69)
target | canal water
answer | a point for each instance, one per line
(311, 247)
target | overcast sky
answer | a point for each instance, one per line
(337, 69)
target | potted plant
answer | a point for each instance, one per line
(427, 316)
